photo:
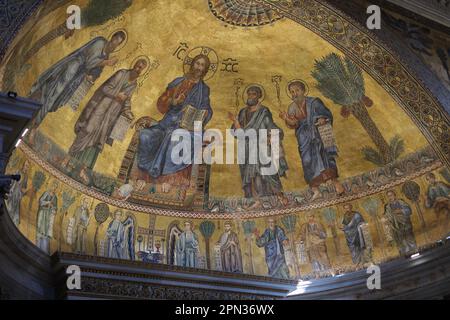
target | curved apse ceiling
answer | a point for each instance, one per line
(100, 161)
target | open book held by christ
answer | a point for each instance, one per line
(190, 115)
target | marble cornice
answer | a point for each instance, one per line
(435, 10)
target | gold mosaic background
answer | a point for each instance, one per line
(287, 49)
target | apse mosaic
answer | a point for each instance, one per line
(358, 180)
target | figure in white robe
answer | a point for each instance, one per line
(48, 206)
(82, 218)
(17, 191)
(187, 248)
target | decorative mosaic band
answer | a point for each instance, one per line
(208, 215)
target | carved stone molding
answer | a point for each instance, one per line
(112, 278)
(427, 276)
(25, 270)
(435, 10)
(95, 287)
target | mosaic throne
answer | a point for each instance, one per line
(195, 197)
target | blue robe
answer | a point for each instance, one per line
(115, 235)
(353, 234)
(435, 191)
(120, 236)
(57, 85)
(272, 241)
(155, 145)
(314, 156)
(399, 214)
(187, 249)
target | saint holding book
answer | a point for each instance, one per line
(312, 122)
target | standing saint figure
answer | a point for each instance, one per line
(230, 251)
(398, 214)
(186, 247)
(304, 115)
(313, 235)
(48, 206)
(128, 251)
(255, 116)
(82, 218)
(56, 86)
(438, 198)
(273, 240)
(17, 191)
(95, 124)
(354, 235)
(187, 93)
(120, 236)
(115, 236)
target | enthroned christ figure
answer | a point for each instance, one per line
(188, 92)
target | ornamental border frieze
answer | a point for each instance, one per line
(31, 154)
(194, 282)
(121, 288)
(66, 256)
(377, 60)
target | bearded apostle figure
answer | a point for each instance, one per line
(314, 235)
(398, 214)
(305, 115)
(187, 247)
(230, 251)
(274, 240)
(95, 124)
(257, 118)
(352, 224)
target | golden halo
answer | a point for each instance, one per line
(297, 80)
(141, 57)
(210, 53)
(124, 42)
(254, 85)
